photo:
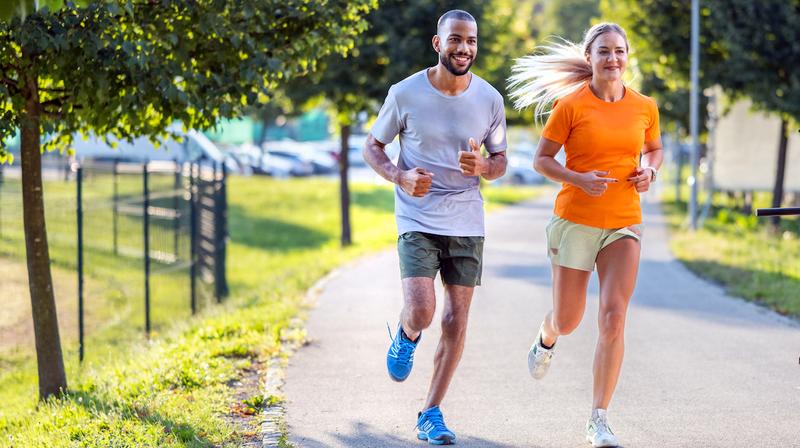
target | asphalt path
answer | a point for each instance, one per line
(701, 368)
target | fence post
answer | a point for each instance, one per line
(176, 205)
(79, 183)
(115, 203)
(193, 236)
(215, 186)
(146, 218)
(222, 211)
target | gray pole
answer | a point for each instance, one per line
(79, 182)
(694, 111)
(146, 225)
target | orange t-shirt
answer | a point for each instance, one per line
(598, 135)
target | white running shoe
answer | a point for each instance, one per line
(598, 433)
(539, 357)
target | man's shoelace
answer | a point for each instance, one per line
(436, 419)
(403, 351)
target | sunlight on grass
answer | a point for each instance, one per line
(738, 251)
(174, 390)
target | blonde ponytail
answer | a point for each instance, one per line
(554, 71)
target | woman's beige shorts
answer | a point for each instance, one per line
(576, 246)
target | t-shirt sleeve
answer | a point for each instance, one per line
(652, 132)
(496, 139)
(559, 123)
(388, 124)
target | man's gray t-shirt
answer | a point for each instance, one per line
(433, 128)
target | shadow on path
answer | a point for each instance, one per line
(364, 435)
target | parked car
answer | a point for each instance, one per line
(194, 146)
(519, 170)
(316, 153)
(274, 166)
(297, 165)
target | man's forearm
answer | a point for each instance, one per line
(376, 158)
(495, 166)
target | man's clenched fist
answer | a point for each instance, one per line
(415, 181)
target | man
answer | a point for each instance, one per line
(442, 114)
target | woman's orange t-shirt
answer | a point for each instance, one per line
(598, 135)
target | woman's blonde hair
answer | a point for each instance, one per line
(555, 70)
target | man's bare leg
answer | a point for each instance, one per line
(419, 305)
(451, 344)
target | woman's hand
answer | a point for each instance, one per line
(594, 183)
(641, 179)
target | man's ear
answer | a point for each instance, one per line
(436, 42)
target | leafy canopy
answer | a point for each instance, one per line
(128, 68)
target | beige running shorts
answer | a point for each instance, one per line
(576, 246)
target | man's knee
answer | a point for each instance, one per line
(454, 324)
(420, 302)
(419, 315)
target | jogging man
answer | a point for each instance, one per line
(442, 114)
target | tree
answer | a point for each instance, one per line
(569, 19)
(126, 68)
(760, 41)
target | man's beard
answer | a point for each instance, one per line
(445, 60)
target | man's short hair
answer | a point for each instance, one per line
(453, 14)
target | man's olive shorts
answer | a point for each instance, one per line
(458, 257)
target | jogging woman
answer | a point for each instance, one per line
(610, 134)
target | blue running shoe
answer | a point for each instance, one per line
(432, 428)
(400, 358)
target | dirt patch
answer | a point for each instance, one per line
(16, 323)
(241, 415)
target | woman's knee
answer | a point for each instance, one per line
(565, 325)
(612, 323)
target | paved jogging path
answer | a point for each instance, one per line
(701, 368)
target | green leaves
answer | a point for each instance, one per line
(130, 68)
(749, 48)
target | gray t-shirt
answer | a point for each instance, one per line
(433, 128)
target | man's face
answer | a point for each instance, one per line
(457, 45)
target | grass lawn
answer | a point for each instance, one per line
(739, 252)
(180, 387)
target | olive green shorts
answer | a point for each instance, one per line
(459, 258)
(576, 246)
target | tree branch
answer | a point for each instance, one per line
(52, 114)
(10, 83)
(57, 102)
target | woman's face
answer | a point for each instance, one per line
(608, 57)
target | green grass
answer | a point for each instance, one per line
(174, 390)
(739, 251)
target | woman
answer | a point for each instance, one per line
(610, 134)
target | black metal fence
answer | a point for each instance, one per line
(154, 230)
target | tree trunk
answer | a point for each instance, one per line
(265, 122)
(52, 378)
(344, 186)
(777, 191)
